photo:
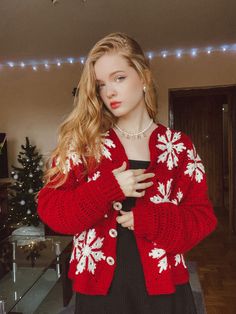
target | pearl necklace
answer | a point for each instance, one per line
(131, 136)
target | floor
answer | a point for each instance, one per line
(216, 260)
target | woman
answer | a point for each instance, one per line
(131, 191)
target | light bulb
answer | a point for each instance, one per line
(179, 54)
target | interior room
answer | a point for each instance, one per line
(191, 48)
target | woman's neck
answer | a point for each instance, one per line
(134, 123)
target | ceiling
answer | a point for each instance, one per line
(37, 29)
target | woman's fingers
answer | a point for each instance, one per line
(124, 218)
(127, 224)
(137, 172)
(120, 169)
(141, 186)
(144, 176)
(138, 194)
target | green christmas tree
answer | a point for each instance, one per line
(27, 183)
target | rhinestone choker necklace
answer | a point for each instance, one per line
(138, 135)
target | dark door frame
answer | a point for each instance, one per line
(230, 92)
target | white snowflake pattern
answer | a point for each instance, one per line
(178, 259)
(72, 158)
(87, 251)
(178, 198)
(107, 143)
(164, 194)
(162, 259)
(195, 168)
(171, 147)
(95, 176)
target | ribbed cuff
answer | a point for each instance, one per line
(110, 187)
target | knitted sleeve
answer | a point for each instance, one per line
(77, 204)
(180, 214)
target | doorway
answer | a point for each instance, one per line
(207, 115)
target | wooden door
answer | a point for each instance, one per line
(200, 117)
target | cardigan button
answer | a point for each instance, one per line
(105, 216)
(113, 233)
(110, 260)
(117, 205)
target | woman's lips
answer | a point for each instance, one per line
(115, 104)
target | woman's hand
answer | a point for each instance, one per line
(131, 180)
(126, 219)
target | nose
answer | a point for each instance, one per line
(110, 91)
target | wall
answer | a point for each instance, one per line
(34, 103)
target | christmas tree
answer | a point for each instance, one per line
(27, 183)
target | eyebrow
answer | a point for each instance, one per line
(117, 71)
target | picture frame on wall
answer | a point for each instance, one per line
(3, 156)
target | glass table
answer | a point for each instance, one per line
(30, 267)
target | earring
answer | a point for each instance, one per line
(144, 89)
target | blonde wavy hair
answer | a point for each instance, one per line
(89, 119)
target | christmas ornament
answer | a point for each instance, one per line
(22, 202)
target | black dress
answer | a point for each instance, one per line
(127, 293)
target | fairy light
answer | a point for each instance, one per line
(178, 54)
(58, 62)
(164, 54)
(194, 52)
(82, 60)
(150, 55)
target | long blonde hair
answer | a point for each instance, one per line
(89, 119)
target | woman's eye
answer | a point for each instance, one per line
(120, 78)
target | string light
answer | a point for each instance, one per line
(178, 54)
(150, 55)
(194, 52)
(36, 65)
(164, 54)
(82, 60)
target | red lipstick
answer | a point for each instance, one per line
(115, 104)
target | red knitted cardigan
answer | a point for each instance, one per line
(173, 216)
